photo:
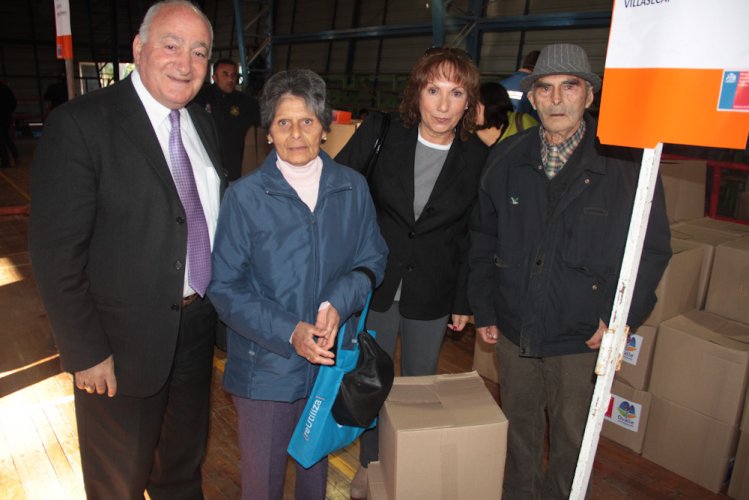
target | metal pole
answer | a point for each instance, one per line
(438, 23)
(614, 339)
(240, 41)
(115, 43)
(32, 17)
(69, 77)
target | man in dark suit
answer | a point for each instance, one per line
(126, 184)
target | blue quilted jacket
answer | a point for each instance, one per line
(275, 262)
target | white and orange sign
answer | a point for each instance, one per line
(62, 24)
(677, 71)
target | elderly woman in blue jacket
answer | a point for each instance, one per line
(297, 250)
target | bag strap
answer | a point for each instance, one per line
(372, 160)
(519, 121)
(360, 326)
(364, 312)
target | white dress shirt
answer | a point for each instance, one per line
(206, 177)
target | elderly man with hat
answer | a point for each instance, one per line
(548, 236)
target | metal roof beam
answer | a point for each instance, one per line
(532, 22)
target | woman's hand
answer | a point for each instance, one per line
(328, 319)
(313, 342)
(458, 322)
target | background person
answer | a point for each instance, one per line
(233, 111)
(423, 185)
(496, 119)
(547, 241)
(8, 148)
(126, 189)
(56, 93)
(297, 252)
(518, 96)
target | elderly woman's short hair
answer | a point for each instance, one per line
(441, 62)
(302, 83)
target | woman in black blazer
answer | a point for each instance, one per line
(424, 183)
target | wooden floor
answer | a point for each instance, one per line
(39, 456)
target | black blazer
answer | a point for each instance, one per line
(430, 255)
(108, 237)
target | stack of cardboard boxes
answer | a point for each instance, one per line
(441, 436)
(680, 394)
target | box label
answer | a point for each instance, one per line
(632, 349)
(624, 413)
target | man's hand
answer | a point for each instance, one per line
(489, 334)
(99, 378)
(458, 322)
(594, 342)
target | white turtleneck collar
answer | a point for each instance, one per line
(304, 179)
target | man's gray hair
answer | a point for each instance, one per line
(302, 83)
(145, 26)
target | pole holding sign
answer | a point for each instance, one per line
(669, 77)
(614, 339)
(65, 41)
(62, 24)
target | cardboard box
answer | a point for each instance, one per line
(376, 489)
(256, 149)
(721, 225)
(684, 187)
(485, 360)
(339, 135)
(637, 359)
(699, 365)
(690, 444)
(739, 486)
(744, 425)
(677, 291)
(728, 293)
(626, 420)
(442, 436)
(709, 239)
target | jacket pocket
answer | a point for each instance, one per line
(586, 236)
(578, 291)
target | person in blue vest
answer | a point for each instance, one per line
(512, 84)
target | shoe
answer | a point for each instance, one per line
(359, 485)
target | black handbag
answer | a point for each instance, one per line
(364, 389)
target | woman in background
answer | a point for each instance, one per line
(297, 251)
(497, 120)
(424, 184)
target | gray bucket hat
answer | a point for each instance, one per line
(562, 59)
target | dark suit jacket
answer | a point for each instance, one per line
(108, 237)
(430, 255)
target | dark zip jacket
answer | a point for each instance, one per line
(546, 276)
